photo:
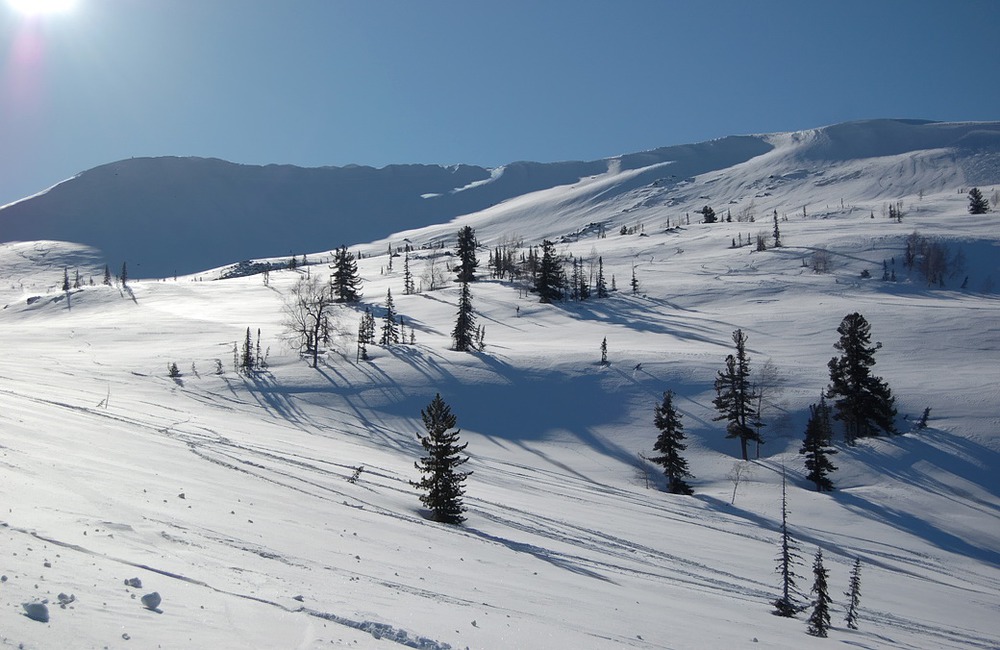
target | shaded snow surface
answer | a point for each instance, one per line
(229, 495)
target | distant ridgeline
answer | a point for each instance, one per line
(169, 216)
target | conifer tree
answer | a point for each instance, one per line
(550, 280)
(978, 204)
(819, 620)
(464, 334)
(345, 280)
(635, 282)
(864, 402)
(854, 596)
(777, 233)
(785, 604)
(442, 484)
(366, 334)
(76, 279)
(736, 397)
(604, 351)
(390, 332)
(124, 276)
(466, 251)
(602, 285)
(107, 275)
(670, 444)
(246, 356)
(408, 286)
(816, 446)
(65, 284)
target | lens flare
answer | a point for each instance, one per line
(41, 7)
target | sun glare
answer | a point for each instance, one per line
(41, 7)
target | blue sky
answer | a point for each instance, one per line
(376, 82)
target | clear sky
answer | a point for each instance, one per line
(376, 82)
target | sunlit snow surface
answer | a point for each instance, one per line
(229, 495)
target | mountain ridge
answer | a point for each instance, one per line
(173, 215)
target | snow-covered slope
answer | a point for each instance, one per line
(229, 495)
(168, 216)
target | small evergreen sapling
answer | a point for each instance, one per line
(785, 605)
(390, 330)
(854, 596)
(604, 351)
(819, 620)
(670, 444)
(464, 334)
(442, 484)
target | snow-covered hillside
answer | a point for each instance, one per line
(229, 495)
(169, 216)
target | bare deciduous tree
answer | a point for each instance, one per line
(308, 311)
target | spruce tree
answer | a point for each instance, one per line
(863, 402)
(635, 282)
(604, 351)
(65, 284)
(816, 447)
(777, 233)
(978, 204)
(345, 279)
(602, 285)
(550, 280)
(390, 331)
(442, 484)
(408, 286)
(107, 275)
(466, 250)
(246, 356)
(670, 444)
(854, 596)
(819, 620)
(785, 604)
(464, 334)
(736, 397)
(124, 276)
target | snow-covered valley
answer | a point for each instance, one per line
(229, 495)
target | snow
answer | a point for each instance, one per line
(229, 497)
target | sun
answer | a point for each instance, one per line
(41, 7)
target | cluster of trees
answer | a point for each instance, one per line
(862, 402)
(788, 604)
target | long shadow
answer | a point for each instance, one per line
(540, 553)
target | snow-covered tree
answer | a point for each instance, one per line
(863, 402)
(670, 444)
(442, 484)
